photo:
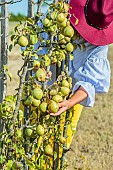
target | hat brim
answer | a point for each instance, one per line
(89, 33)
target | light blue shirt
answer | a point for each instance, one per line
(90, 69)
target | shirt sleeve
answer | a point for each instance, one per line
(94, 77)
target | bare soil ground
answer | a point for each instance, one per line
(92, 146)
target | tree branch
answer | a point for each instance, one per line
(22, 78)
(40, 3)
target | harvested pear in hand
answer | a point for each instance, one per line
(53, 106)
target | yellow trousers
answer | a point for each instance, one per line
(71, 127)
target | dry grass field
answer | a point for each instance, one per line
(92, 146)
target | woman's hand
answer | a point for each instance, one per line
(79, 96)
(63, 106)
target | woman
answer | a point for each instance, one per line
(90, 68)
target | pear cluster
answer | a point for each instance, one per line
(47, 100)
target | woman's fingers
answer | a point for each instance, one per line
(63, 104)
(61, 110)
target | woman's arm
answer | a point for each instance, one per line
(78, 97)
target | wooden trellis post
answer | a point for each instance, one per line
(4, 49)
(3, 53)
(30, 8)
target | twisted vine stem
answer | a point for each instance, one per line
(22, 78)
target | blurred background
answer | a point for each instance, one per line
(21, 7)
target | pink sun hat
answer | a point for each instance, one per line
(95, 20)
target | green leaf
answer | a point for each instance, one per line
(16, 42)
(8, 141)
(79, 46)
(5, 67)
(10, 98)
(30, 163)
(13, 37)
(13, 166)
(16, 27)
(25, 53)
(83, 46)
(10, 76)
(37, 166)
(22, 151)
(55, 155)
(1, 134)
(77, 21)
(40, 48)
(9, 165)
(30, 48)
(2, 159)
(35, 55)
(30, 21)
(1, 111)
(10, 47)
